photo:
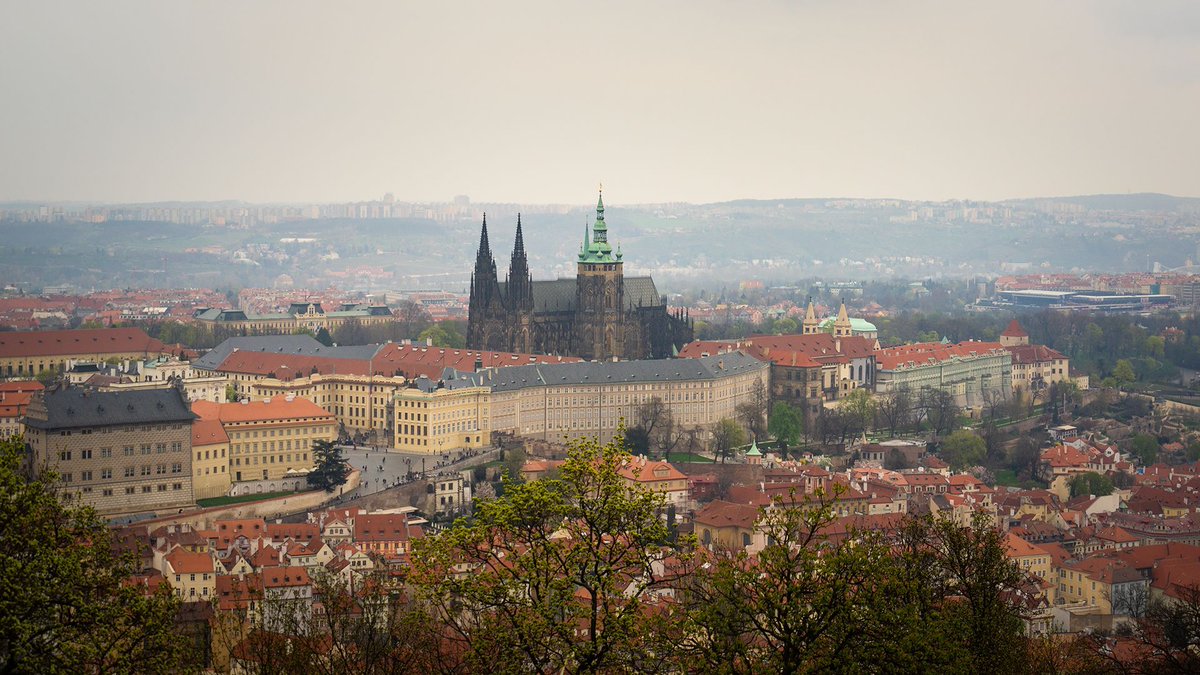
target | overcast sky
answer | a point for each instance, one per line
(688, 100)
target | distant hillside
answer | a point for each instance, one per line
(1142, 201)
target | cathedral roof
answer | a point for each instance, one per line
(559, 295)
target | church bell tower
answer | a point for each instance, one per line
(599, 294)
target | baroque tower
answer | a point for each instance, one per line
(599, 294)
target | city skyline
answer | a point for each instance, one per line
(535, 102)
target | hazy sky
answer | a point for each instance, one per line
(692, 100)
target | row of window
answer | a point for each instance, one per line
(146, 489)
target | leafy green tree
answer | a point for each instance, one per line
(330, 469)
(65, 604)
(1090, 483)
(727, 435)
(960, 584)
(786, 425)
(554, 575)
(440, 335)
(962, 449)
(801, 604)
(1123, 373)
(231, 394)
(859, 405)
(1145, 447)
(786, 326)
(637, 439)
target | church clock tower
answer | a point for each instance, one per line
(599, 295)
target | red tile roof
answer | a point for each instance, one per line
(1014, 330)
(208, 432)
(925, 353)
(727, 514)
(277, 408)
(1034, 354)
(414, 360)
(184, 561)
(72, 342)
(382, 527)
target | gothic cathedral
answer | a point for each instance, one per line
(600, 314)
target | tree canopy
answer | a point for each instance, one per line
(330, 469)
(962, 449)
(65, 602)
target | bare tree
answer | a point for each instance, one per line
(894, 409)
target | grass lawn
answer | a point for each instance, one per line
(225, 501)
(688, 457)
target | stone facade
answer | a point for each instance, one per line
(120, 452)
(601, 314)
(575, 400)
(972, 372)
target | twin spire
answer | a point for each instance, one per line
(485, 282)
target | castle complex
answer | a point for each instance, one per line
(600, 314)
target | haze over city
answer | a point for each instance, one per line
(537, 101)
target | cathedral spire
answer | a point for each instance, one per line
(485, 249)
(520, 282)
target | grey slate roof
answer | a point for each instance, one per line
(73, 407)
(608, 372)
(281, 344)
(559, 295)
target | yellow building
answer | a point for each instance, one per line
(1034, 560)
(210, 468)
(440, 417)
(270, 439)
(1112, 586)
(192, 576)
(361, 403)
(726, 526)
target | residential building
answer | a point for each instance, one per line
(192, 576)
(657, 476)
(120, 452)
(727, 526)
(14, 400)
(270, 441)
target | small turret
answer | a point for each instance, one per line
(811, 325)
(841, 325)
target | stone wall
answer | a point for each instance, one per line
(267, 509)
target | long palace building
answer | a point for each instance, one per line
(600, 314)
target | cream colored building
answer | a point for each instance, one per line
(571, 400)
(362, 403)
(437, 419)
(192, 576)
(270, 439)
